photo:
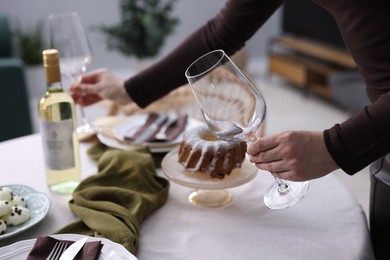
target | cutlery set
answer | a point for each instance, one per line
(61, 251)
(155, 128)
(157, 131)
(162, 134)
(57, 251)
(150, 130)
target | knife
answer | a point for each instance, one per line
(152, 129)
(72, 251)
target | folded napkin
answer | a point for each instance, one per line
(114, 202)
(173, 130)
(44, 244)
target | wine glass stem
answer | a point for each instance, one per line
(78, 77)
(283, 188)
(83, 117)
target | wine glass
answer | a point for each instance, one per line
(66, 34)
(234, 110)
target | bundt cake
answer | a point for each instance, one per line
(201, 151)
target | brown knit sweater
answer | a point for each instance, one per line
(365, 26)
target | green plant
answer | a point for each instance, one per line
(143, 28)
(29, 44)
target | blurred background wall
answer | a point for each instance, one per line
(191, 15)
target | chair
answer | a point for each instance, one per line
(380, 207)
(15, 118)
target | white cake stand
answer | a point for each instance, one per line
(209, 192)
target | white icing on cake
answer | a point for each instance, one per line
(219, 160)
(200, 138)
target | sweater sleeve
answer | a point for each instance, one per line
(361, 139)
(237, 22)
(364, 137)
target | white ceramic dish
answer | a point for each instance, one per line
(38, 203)
(110, 250)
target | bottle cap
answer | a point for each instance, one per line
(50, 57)
(51, 62)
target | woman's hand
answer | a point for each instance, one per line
(97, 85)
(293, 155)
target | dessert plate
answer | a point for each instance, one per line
(38, 204)
(110, 250)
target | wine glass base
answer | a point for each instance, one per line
(273, 199)
(210, 198)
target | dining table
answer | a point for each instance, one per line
(328, 223)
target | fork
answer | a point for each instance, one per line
(162, 135)
(57, 251)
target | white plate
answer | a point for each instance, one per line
(38, 203)
(110, 250)
(132, 123)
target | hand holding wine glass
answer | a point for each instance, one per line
(234, 110)
(66, 34)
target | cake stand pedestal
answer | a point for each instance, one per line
(209, 192)
(210, 198)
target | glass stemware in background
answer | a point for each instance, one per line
(234, 110)
(66, 34)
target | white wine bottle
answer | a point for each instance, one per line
(57, 118)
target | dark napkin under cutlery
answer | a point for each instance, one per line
(44, 244)
(176, 128)
(150, 128)
(152, 125)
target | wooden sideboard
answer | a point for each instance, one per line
(307, 63)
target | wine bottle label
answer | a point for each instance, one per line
(57, 139)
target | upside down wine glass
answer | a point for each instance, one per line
(66, 34)
(234, 110)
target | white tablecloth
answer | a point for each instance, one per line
(327, 224)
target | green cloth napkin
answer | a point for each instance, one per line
(113, 203)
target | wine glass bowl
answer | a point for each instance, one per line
(67, 35)
(232, 107)
(234, 110)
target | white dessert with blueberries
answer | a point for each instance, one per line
(13, 209)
